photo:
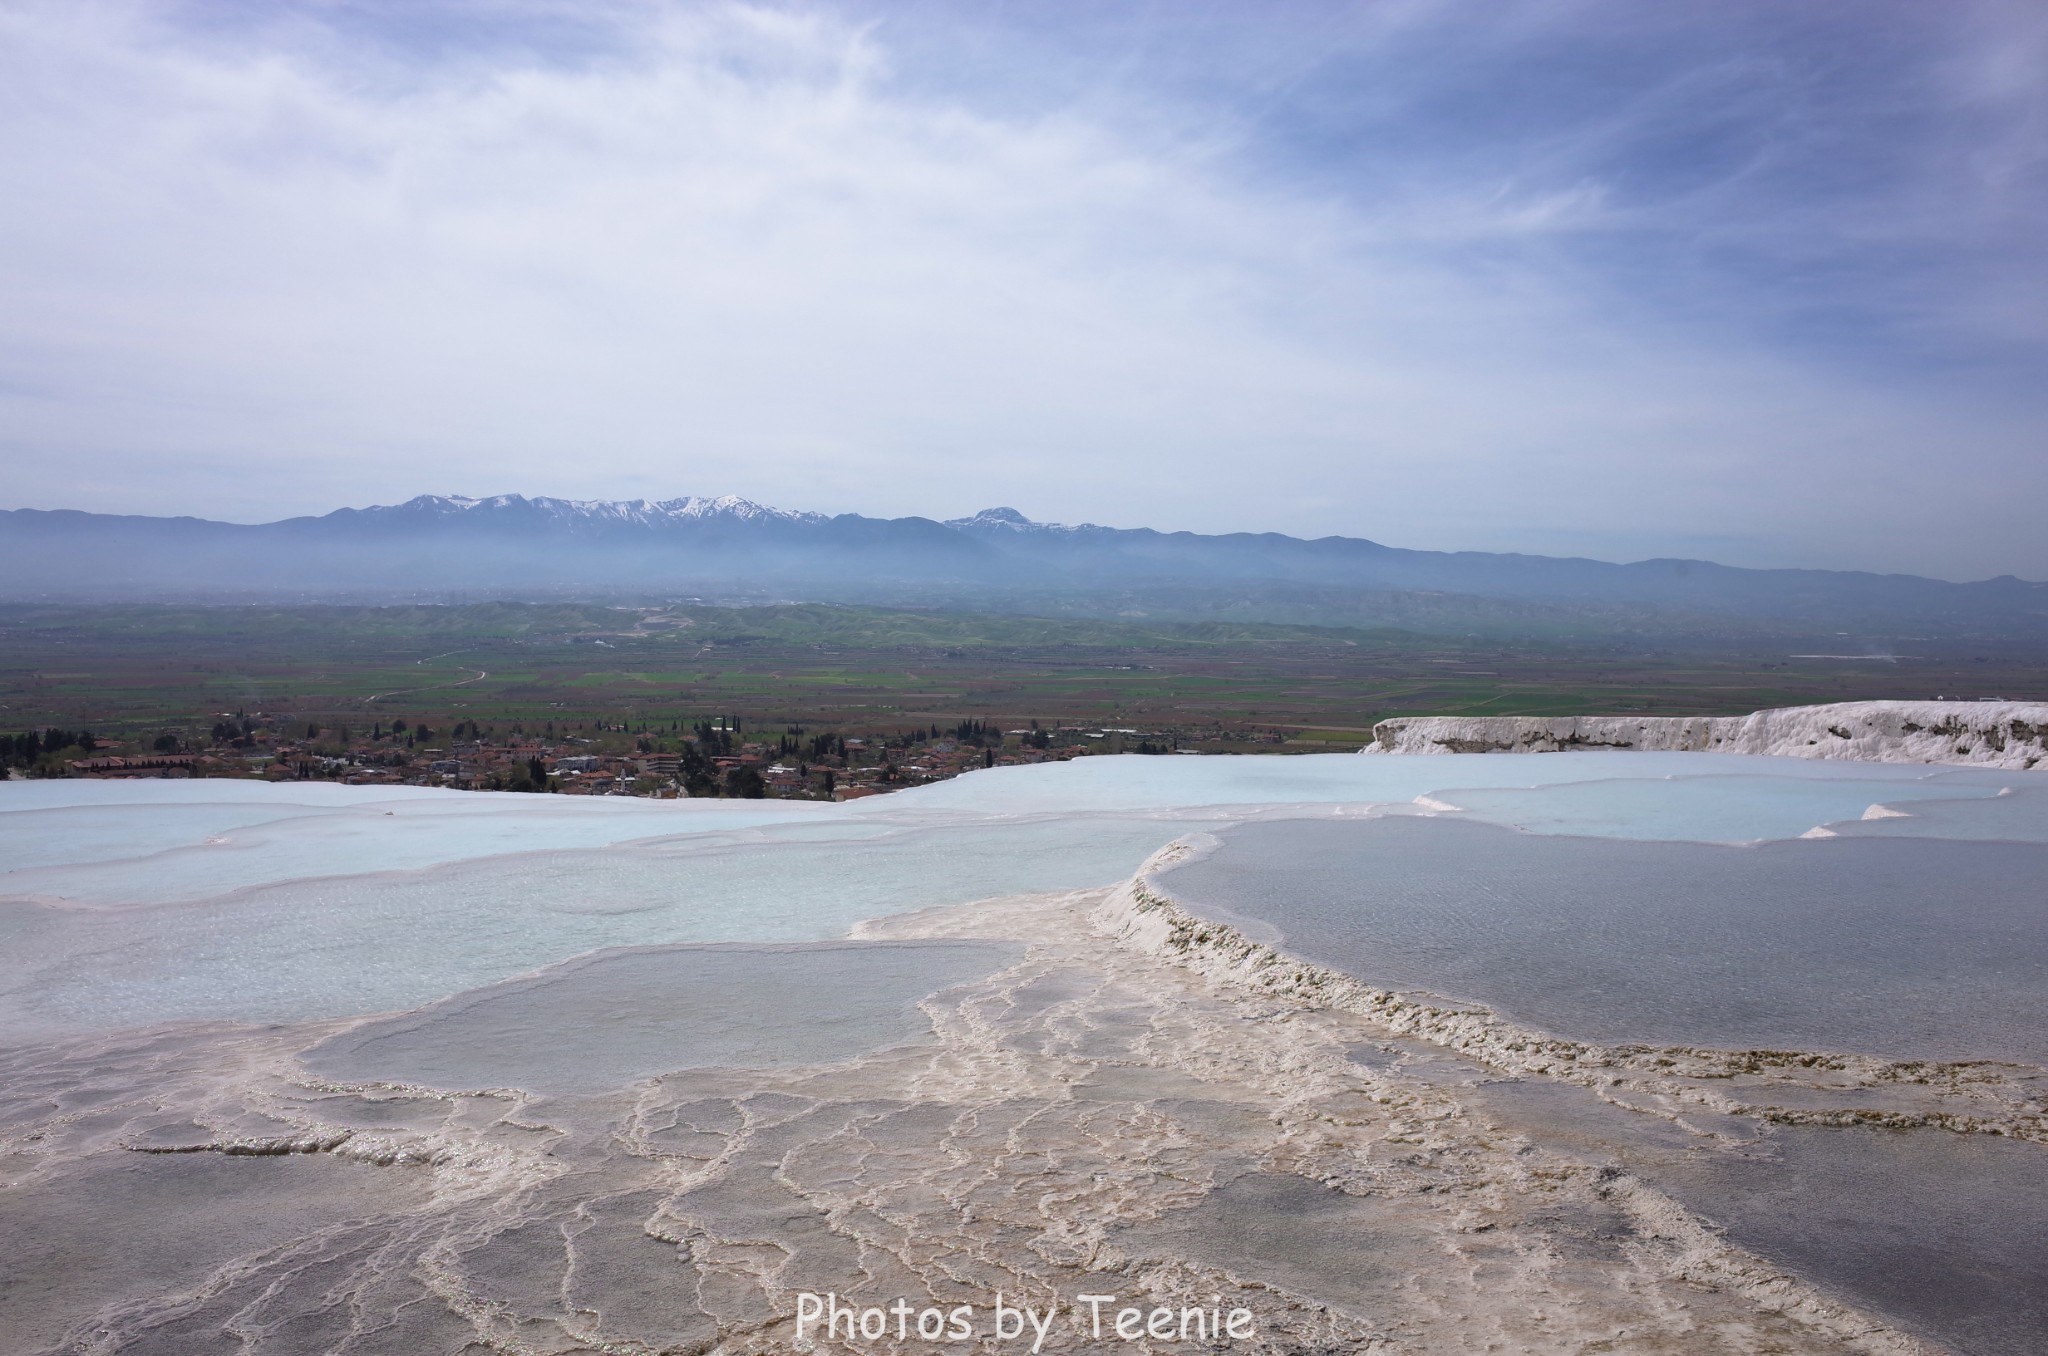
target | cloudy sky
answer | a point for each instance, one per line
(1759, 282)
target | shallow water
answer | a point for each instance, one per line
(609, 1020)
(360, 944)
(1945, 1234)
(1733, 808)
(557, 946)
(130, 854)
(1132, 782)
(1908, 948)
(2019, 815)
(119, 844)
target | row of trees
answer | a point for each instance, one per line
(39, 750)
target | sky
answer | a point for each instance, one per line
(1755, 282)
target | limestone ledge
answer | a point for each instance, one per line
(1788, 1087)
(1985, 734)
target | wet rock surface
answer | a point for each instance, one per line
(1916, 1191)
(1922, 949)
(1079, 1117)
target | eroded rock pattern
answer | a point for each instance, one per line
(1091, 1117)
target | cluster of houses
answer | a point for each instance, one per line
(845, 768)
(869, 766)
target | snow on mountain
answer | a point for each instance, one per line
(732, 506)
(651, 513)
(456, 541)
(1995, 734)
(1008, 520)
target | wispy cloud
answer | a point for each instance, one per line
(1753, 281)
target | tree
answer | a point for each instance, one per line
(744, 783)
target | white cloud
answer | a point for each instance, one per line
(253, 270)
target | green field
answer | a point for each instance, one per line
(136, 671)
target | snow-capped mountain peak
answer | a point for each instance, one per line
(690, 508)
(732, 506)
(1009, 520)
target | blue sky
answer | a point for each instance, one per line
(1759, 282)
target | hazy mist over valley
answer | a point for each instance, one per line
(510, 546)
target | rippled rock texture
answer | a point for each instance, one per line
(1071, 1113)
(1913, 1188)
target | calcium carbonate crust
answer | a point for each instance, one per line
(1140, 914)
(1985, 734)
(1786, 1087)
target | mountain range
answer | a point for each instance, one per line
(513, 546)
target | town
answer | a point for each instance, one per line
(716, 757)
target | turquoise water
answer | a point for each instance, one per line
(1812, 789)
(123, 851)
(557, 944)
(1734, 808)
(257, 902)
(2020, 814)
(152, 842)
(342, 945)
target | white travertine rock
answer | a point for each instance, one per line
(1985, 734)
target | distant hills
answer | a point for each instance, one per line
(513, 546)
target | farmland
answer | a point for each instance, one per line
(132, 673)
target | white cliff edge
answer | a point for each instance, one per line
(1986, 734)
